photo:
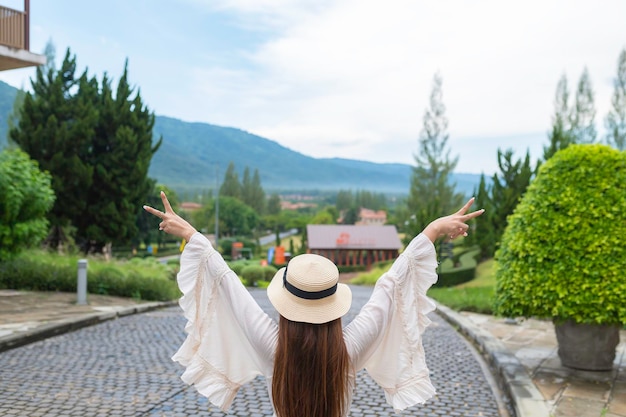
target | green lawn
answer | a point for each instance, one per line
(475, 295)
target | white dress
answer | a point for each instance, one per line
(230, 340)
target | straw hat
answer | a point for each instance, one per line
(308, 290)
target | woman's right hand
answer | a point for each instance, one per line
(171, 222)
(454, 225)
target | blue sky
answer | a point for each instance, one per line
(347, 78)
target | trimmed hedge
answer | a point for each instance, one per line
(251, 275)
(449, 275)
(563, 253)
(145, 279)
(238, 266)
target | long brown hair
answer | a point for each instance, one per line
(311, 370)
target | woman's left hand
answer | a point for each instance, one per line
(454, 225)
(171, 222)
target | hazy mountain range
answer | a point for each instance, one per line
(193, 153)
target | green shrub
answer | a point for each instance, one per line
(26, 196)
(238, 266)
(252, 274)
(37, 270)
(562, 255)
(269, 272)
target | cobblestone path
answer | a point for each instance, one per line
(123, 368)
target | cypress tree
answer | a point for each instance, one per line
(258, 194)
(507, 189)
(97, 148)
(560, 136)
(432, 194)
(231, 187)
(615, 120)
(584, 112)
(56, 128)
(120, 154)
(273, 204)
(483, 232)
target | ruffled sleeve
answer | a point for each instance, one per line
(230, 340)
(386, 336)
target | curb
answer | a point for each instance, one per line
(56, 328)
(511, 376)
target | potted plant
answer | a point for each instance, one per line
(563, 254)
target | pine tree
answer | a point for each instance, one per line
(583, 114)
(615, 120)
(121, 152)
(258, 194)
(55, 128)
(97, 148)
(507, 189)
(499, 200)
(246, 187)
(273, 205)
(432, 194)
(344, 200)
(561, 136)
(50, 52)
(252, 192)
(483, 230)
(231, 187)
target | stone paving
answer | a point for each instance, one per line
(566, 392)
(122, 367)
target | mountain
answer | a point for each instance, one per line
(192, 152)
(191, 155)
(7, 96)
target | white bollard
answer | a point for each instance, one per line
(81, 288)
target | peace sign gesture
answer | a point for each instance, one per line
(454, 225)
(171, 222)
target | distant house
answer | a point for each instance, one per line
(352, 245)
(189, 206)
(369, 217)
(288, 205)
(15, 39)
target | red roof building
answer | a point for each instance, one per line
(189, 206)
(352, 245)
(369, 217)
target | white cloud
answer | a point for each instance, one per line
(352, 78)
(357, 74)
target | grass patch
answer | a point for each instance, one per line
(485, 276)
(370, 277)
(476, 299)
(476, 295)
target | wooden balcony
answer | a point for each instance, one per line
(14, 39)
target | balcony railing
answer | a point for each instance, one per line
(14, 28)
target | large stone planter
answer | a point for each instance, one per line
(590, 347)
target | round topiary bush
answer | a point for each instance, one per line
(563, 253)
(252, 274)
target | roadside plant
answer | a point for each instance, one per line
(562, 254)
(25, 197)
